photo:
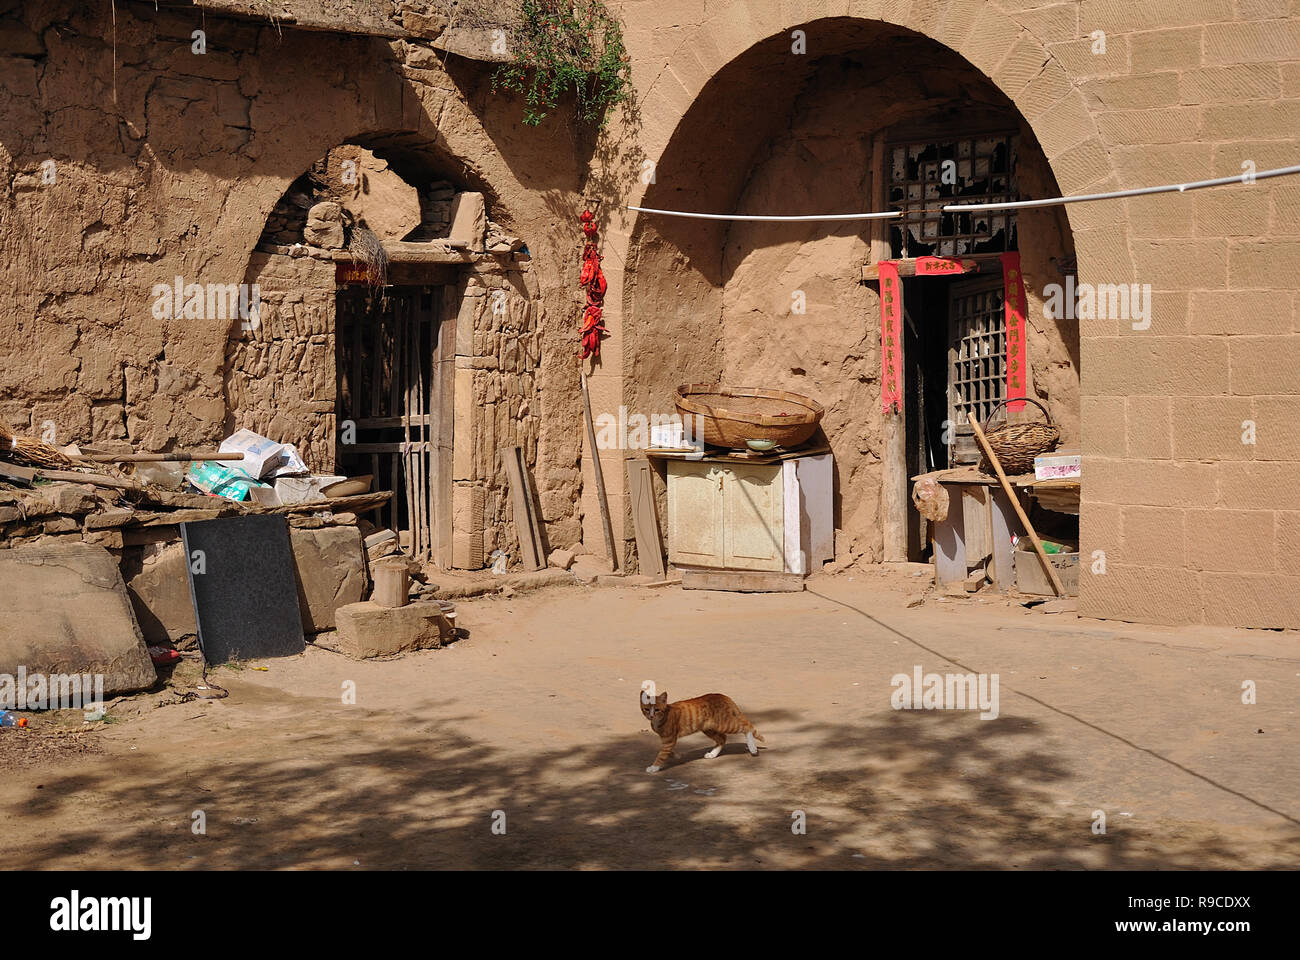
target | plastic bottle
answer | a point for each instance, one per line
(10, 719)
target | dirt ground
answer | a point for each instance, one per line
(536, 715)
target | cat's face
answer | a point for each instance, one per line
(654, 708)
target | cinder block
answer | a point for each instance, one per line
(367, 630)
(1230, 540)
(1140, 91)
(463, 413)
(1276, 433)
(1153, 535)
(467, 524)
(1252, 42)
(1166, 49)
(1149, 428)
(1103, 426)
(1230, 84)
(1268, 601)
(1142, 594)
(1162, 366)
(1167, 483)
(1210, 428)
(1218, 312)
(1258, 486)
(1286, 532)
(1265, 365)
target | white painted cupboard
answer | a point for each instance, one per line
(733, 515)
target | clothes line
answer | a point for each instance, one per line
(1244, 178)
(737, 216)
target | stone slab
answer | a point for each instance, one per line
(367, 630)
(64, 609)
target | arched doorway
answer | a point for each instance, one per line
(795, 306)
(399, 338)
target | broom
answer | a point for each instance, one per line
(36, 453)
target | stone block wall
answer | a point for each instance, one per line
(280, 378)
(498, 403)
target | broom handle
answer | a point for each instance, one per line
(175, 456)
(1015, 502)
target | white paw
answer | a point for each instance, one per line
(713, 753)
(651, 769)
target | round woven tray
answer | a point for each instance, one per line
(1016, 444)
(729, 416)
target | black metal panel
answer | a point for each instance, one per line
(243, 586)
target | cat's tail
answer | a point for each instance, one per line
(754, 730)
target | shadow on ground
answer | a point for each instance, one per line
(903, 790)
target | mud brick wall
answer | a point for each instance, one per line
(279, 379)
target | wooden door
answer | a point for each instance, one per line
(695, 513)
(753, 517)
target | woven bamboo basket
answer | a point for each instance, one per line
(729, 416)
(1016, 444)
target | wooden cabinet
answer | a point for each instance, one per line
(733, 515)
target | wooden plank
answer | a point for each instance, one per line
(947, 538)
(1005, 525)
(444, 403)
(742, 581)
(977, 530)
(645, 518)
(512, 459)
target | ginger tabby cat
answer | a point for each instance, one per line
(713, 714)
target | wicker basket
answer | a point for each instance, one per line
(1016, 444)
(729, 416)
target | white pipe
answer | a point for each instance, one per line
(730, 216)
(1137, 192)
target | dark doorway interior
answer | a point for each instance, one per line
(385, 343)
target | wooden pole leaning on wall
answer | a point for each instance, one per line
(1015, 502)
(599, 474)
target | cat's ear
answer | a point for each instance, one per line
(662, 698)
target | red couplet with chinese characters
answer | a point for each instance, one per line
(1013, 302)
(891, 337)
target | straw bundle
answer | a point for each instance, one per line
(26, 450)
(368, 253)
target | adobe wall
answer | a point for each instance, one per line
(167, 163)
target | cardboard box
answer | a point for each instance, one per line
(1032, 578)
(1058, 465)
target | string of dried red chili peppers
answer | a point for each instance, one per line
(593, 280)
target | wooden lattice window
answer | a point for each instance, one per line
(924, 177)
(977, 358)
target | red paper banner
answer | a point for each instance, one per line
(942, 266)
(891, 337)
(1014, 303)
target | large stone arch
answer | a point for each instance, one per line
(1008, 56)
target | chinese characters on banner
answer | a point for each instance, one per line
(891, 337)
(891, 323)
(942, 266)
(1013, 300)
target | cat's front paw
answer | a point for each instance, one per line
(651, 769)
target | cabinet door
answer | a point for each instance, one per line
(752, 518)
(695, 513)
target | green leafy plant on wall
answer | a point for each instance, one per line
(566, 47)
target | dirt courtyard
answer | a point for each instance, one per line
(535, 715)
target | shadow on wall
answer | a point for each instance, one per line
(929, 790)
